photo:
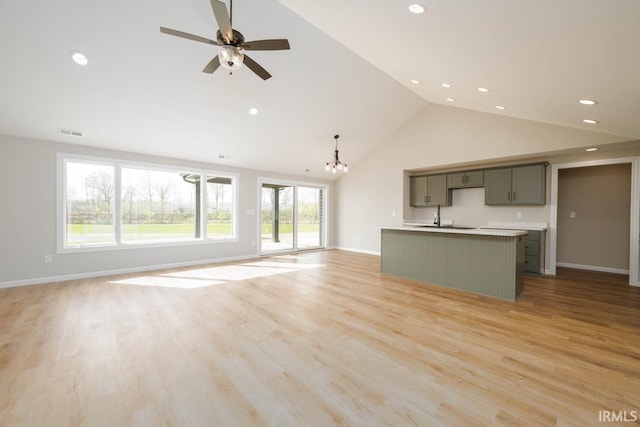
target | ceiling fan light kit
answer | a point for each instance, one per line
(231, 57)
(232, 44)
(336, 164)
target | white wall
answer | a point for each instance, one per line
(376, 187)
(28, 217)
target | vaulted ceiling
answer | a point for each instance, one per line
(349, 71)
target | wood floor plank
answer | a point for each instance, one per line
(316, 338)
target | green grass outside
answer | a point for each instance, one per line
(133, 229)
(138, 231)
(179, 229)
(288, 228)
(145, 228)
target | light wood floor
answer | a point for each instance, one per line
(321, 338)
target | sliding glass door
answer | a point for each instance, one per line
(291, 217)
(310, 218)
(276, 225)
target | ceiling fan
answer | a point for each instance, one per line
(232, 44)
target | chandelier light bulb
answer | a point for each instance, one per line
(336, 164)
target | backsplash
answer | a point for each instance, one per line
(468, 209)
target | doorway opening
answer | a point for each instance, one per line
(634, 215)
(292, 217)
(594, 205)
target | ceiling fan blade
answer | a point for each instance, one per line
(222, 18)
(274, 44)
(256, 68)
(186, 35)
(212, 65)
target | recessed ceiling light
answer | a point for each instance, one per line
(589, 121)
(416, 8)
(592, 149)
(447, 85)
(587, 102)
(483, 89)
(253, 111)
(415, 82)
(451, 100)
(501, 107)
(79, 58)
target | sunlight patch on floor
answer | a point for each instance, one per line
(212, 276)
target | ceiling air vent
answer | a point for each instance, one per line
(70, 132)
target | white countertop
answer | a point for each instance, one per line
(534, 226)
(472, 231)
(424, 223)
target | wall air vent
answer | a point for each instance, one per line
(70, 132)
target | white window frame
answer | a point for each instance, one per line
(118, 164)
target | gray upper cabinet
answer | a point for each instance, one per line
(465, 179)
(429, 191)
(497, 186)
(521, 185)
(418, 190)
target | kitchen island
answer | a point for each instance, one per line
(482, 261)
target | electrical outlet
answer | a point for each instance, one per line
(393, 213)
(357, 239)
(48, 259)
(519, 215)
(572, 215)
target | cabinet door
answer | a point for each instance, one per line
(456, 180)
(528, 185)
(474, 179)
(438, 193)
(497, 186)
(418, 190)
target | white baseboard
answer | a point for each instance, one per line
(361, 251)
(592, 268)
(76, 276)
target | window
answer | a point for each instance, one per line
(219, 207)
(89, 204)
(157, 206)
(112, 203)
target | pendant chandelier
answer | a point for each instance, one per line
(336, 164)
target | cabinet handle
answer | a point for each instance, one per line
(509, 196)
(425, 199)
(514, 195)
